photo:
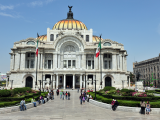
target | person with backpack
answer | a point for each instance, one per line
(81, 98)
(69, 95)
(66, 95)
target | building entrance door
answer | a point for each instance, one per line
(107, 81)
(69, 80)
(29, 82)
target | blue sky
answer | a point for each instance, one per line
(134, 23)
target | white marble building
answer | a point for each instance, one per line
(67, 59)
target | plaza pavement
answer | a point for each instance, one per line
(59, 109)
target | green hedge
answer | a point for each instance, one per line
(125, 102)
(21, 90)
(127, 90)
(109, 88)
(158, 90)
(5, 93)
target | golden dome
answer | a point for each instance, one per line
(96, 38)
(69, 24)
(42, 38)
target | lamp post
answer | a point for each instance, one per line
(35, 85)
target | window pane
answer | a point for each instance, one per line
(27, 63)
(51, 37)
(49, 64)
(82, 36)
(32, 55)
(73, 64)
(28, 55)
(89, 64)
(92, 64)
(87, 38)
(56, 35)
(109, 65)
(32, 64)
(69, 63)
(65, 64)
(105, 64)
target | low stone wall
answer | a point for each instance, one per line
(123, 108)
(17, 108)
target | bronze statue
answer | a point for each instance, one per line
(70, 7)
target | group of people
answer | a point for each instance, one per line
(145, 105)
(114, 104)
(84, 96)
(65, 95)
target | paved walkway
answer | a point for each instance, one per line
(72, 110)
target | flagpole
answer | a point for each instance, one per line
(36, 69)
(37, 58)
(100, 65)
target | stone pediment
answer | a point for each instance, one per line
(112, 42)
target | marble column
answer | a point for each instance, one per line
(38, 61)
(102, 62)
(95, 63)
(59, 61)
(73, 81)
(80, 81)
(54, 82)
(23, 61)
(83, 81)
(41, 61)
(13, 62)
(84, 61)
(114, 62)
(64, 84)
(117, 61)
(61, 66)
(43, 80)
(79, 60)
(57, 81)
(120, 62)
(86, 82)
(123, 63)
(55, 61)
(126, 63)
(19, 64)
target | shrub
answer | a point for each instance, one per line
(157, 90)
(108, 88)
(5, 93)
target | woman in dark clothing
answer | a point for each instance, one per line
(142, 103)
(69, 95)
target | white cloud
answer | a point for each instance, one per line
(3, 7)
(5, 14)
(40, 3)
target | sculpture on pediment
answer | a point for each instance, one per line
(69, 48)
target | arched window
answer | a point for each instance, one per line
(107, 44)
(30, 43)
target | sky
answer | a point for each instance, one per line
(134, 23)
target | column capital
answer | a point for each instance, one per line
(64, 74)
(73, 74)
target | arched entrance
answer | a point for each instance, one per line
(107, 81)
(29, 82)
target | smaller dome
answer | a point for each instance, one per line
(42, 38)
(96, 38)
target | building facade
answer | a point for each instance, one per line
(148, 70)
(66, 59)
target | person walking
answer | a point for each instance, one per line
(78, 90)
(148, 108)
(53, 94)
(69, 95)
(61, 94)
(142, 103)
(81, 98)
(66, 95)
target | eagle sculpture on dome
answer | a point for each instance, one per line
(70, 7)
